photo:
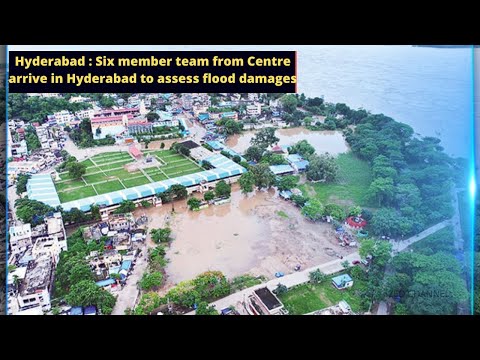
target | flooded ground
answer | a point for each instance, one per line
(323, 141)
(258, 234)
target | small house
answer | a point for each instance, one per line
(342, 281)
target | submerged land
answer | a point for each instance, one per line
(232, 203)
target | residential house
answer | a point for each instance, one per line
(342, 281)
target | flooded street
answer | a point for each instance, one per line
(323, 141)
(258, 234)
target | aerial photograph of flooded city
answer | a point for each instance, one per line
(350, 197)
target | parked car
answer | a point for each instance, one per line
(364, 262)
(356, 262)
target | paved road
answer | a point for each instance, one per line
(81, 154)
(382, 308)
(128, 295)
(288, 280)
(398, 246)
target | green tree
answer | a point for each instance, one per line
(335, 211)
(76, 170)
(322, 168)
(287, 182)
(162, 145)
(299, 200)
(161, 235)
(254, 153)
(32, 141)
(247, 182)
(289, 103)
(151, 281)
(381, 191)
(126, 206)
(179, 191)
(313, 209)
(302, 148)
(355, 211)
(95, 212)
(233, 127)
(280, 289)
(380, 250)
(22, 180)
(223, 189)
(31, 211)
(204, 309)
(308, 121)
(193, 203)
(148, 302)
(86, 293)
(209, 195)
(346, 264)
(265, 138)
(382, 167)
(316, 276)
(152, 116)
(263, 176)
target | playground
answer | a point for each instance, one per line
(113, 171)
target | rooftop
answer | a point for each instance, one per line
(340, 280)
(38, 274)
(268, 299)
(40, 187)
(281, 169)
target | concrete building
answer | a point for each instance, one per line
(63, 117)
(252, 96)
(18, 149)
(78, 99)
(20, 238)
(110, 125)
(263, 302)
(35, 289)
(254, 109)
(85, 114)
(166, 118)
(139, 126)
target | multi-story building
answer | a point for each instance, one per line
(64, 117)
(20, 238)
(85, 114)
(254, 109)
(34, 290)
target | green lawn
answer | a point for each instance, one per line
(117, 165)
(158, 177)
(83, 192)
(352, 185)
(69, 185)
(142, 180)
(307, 298)
(109, 186)
(123, 174)
(87, 162)
(92, 179)
(65, 176)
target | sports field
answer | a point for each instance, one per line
(106, 173)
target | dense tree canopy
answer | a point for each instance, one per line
(265, 138)
(322, 168)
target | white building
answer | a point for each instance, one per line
(253, 96)
(20, 238)
(64, 117)
(78, 99)
(18, 149)
(85, 114)
(254, 109)
(35, 289)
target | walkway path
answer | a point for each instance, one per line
(290, 280)
(398, 246)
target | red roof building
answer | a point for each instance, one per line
(137, 154)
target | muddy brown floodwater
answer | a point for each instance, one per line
(323, 141)
(258, 234)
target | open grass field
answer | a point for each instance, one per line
(354, 178)
(307, 298)
(104, 172)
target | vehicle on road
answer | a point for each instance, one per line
(279, 274)
(356, 262)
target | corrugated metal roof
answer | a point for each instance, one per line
(281, 169)
(40, 187)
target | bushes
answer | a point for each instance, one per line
(316, 276)
(161, 235)
(151, 280)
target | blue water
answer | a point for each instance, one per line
(427, 88)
